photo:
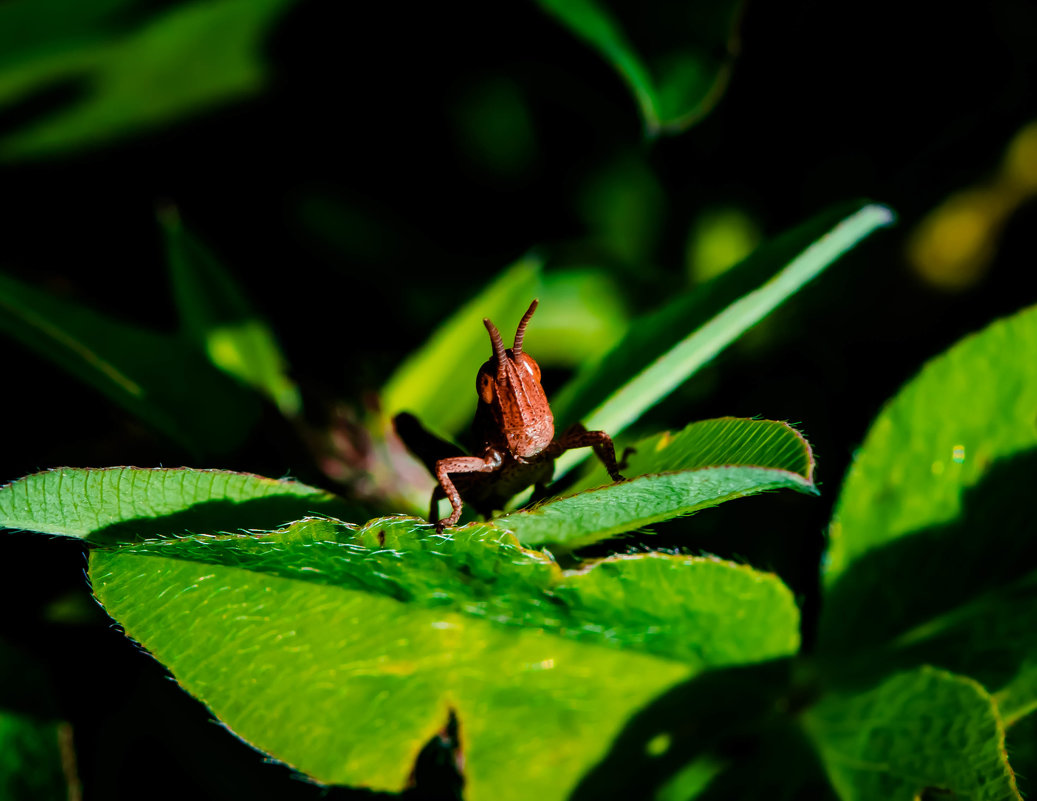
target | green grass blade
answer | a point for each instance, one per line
(181, 60)
(217, 315)
(314, 641)
(162, 380)
(923, 732)
(934, 531)
(707, 463)
(679, 339)
(117, 503)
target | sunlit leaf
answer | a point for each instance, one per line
(934, 530)
(314, 641)
(672, 474)
(115, 503)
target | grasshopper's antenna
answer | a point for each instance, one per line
(520, 333)
(497, 342)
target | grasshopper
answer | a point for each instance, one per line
(514, 432)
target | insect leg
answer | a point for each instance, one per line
(460, 464)
(577, 436)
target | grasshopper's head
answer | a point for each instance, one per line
(509, 385)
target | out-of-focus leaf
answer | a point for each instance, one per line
(30, 759)
(624, 205)
(934, 531)
(686, 333)
(677, 78)
(116, 503)
(921, 732)
(32, 765)
(179, 61)
(217, 315)
(320, 637)
(580, 316)
(161, 379)
(689, 782)
(704, 465)
(437, 382)
(720, 239)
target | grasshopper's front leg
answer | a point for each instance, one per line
(458, 464)
(577, 436)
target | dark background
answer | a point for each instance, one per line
(348, 201)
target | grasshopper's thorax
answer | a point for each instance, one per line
(514, 414)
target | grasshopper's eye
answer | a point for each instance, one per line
(529, 364)
(484, 385)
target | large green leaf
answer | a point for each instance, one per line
(679, 339)
(707, 463)
(178, 61)
(217, 315)
(316, 641)
(933, 548)
(923, 732)
(682, 75)
(161, 379)
(117, 503)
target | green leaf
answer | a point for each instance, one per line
(934, 535)
(164, 381)
(581, 316)
(679, 339)
(316, 641)
(707, 463)
(32, 739)
(30, 758)
(437, 382)
(687, 67)
(924, 732)
(117, 503)
(217, 315)
(179, 61)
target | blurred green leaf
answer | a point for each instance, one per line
(581, 315)
(113, 503)
(714, 314)
(179, 61)
(689, 782)
(217, 315)
(437, 382)
(624, 206)
(30, 759)
(678, 77)
(310, 641)
(933, 537)
(32, 765)
(161, 379)
(496, 128)
(720, 239)
(924, 732)
(707, 463)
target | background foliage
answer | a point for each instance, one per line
(364, 173)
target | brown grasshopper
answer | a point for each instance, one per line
(514, 432)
